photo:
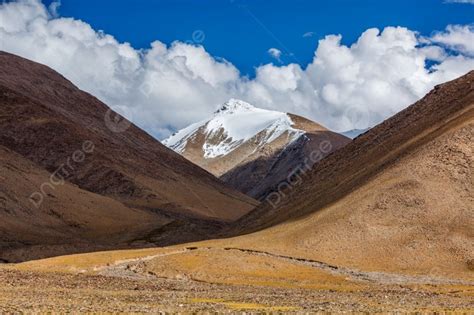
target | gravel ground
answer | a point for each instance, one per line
(40, 292)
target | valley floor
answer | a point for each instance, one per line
(203, 279)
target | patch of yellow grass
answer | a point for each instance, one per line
(240, 268)
(254, 306)
(244, 305)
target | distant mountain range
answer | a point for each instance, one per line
(253, 149)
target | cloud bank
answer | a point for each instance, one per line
(164, 88)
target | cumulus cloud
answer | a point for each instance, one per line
(275, 53)
(457, 37)
(166, 87)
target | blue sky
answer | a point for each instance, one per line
(243, 31)
(404, 49)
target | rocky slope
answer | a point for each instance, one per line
(252, 149)
(78, 140)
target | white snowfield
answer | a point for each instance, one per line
(233, 124)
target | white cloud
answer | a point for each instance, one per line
(275, 53)
(308, 34)
(457, 37)
(164, 88)
(283, 79)
(54, 7)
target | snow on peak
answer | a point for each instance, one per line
(234, 123)
(233, 105)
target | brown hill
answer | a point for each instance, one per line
(398, 198)
(343, 171)
(48, 121)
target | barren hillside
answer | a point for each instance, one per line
(76, 138)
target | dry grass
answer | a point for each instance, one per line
(238, 268)
(243, 306)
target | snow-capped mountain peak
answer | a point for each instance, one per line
(233, 105)
(249, 147)
(233, 124)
